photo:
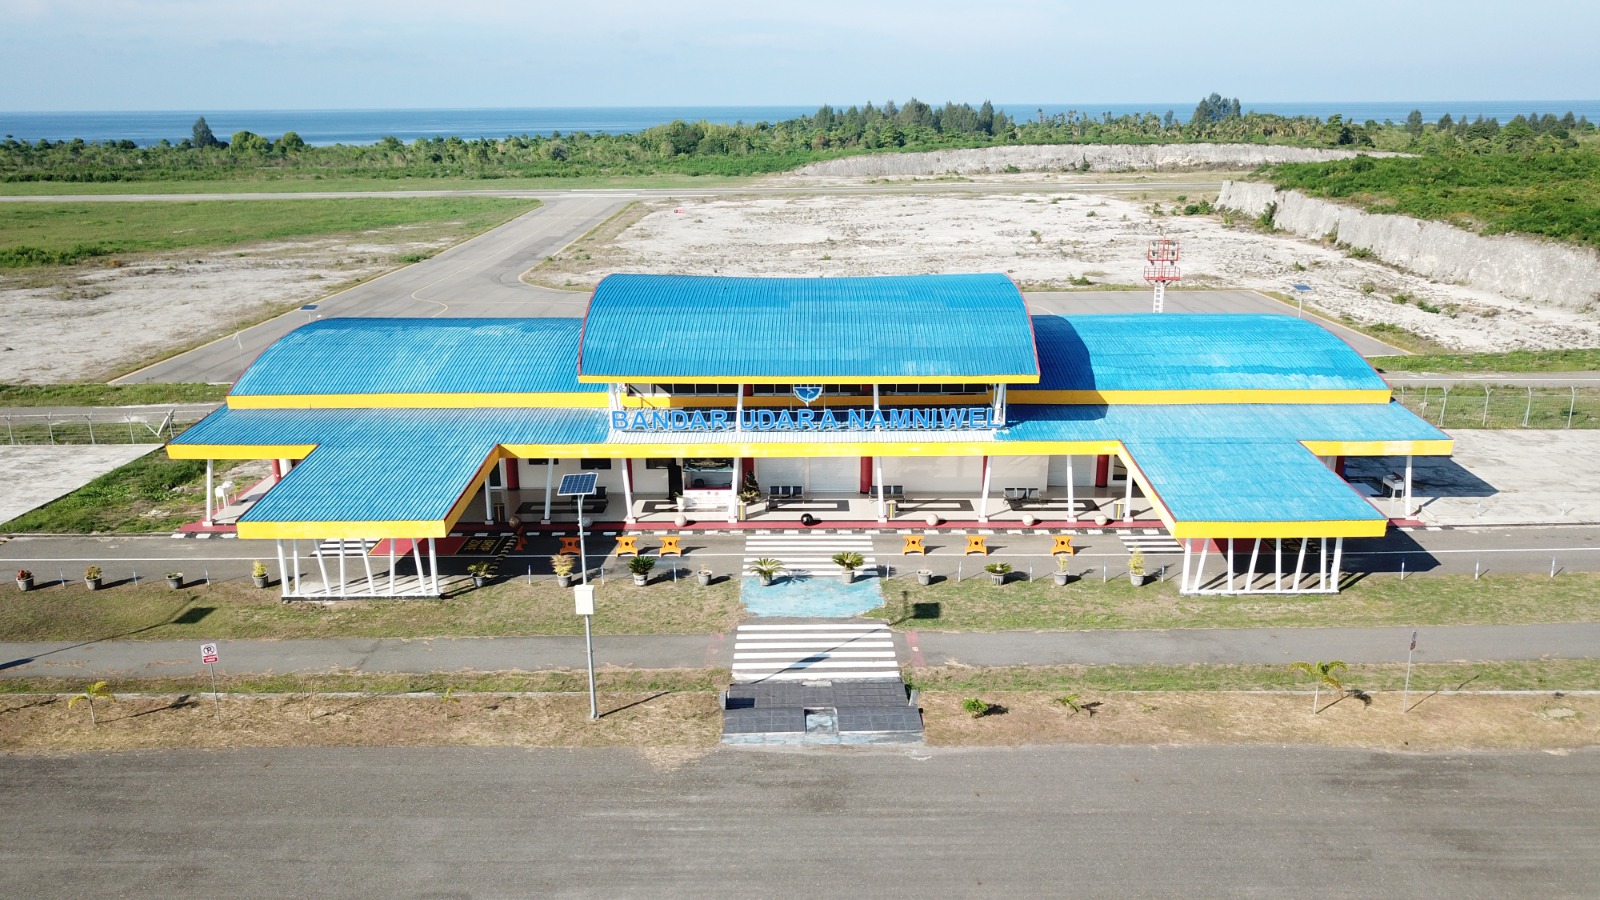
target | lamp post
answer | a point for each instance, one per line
(581, 485)
(1300, 292)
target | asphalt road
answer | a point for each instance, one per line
(1178, 822)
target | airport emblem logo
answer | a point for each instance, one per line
(808, 393)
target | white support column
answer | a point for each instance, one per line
(322, 566)
(549, 487)
(1230, 565)
(433, 566)
(1300, 563)
(1322, 566)
(1072, 498)
(342, 578)
(983, 498)
(1250, 580)
(1200, 567)
(391, 565)
(999, 412)
(283, 572)
(627, 491)
(733, 489)
(366, 560)
(422, 575)
(1408, 486)
(294, 551)
(1127, 500)
(1183, 579)
(877, 477)
(210, 494)
(738, 408)
(875, 398)
(1338, 557)
(1277, 567)
(488, 500)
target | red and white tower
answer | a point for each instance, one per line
(1162, 268)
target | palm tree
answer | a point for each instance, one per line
(89, 695)
(1324, 673)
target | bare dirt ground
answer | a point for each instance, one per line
(670, 728)
(94, 321)
(1047, 241)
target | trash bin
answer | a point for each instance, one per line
(1116, 509)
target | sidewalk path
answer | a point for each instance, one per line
(1012, 648)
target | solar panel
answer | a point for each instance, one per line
(579, 485)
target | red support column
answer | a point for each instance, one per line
(513, 474)
(866, 474)
(1102, 471)
(1338, 466)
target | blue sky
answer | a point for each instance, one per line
(298, 54)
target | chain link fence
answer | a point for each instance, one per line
(1478, 405)
(97, 428)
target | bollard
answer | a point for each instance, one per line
(1552, 567)
(530, 573)
(959, 566)
(1163, 575)
(208, 571)
(1475, 568)
(135, 577)
(1102, 573)
(674, 573)
(1402, 568)
(1030, 573)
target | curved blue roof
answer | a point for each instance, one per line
(705, 328)
(420, 356)
(1196, 351)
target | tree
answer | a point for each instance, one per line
(291, 142)
(203, 138)
(94, 691)
(1325, 673)
(1414, 123)
(249, 142)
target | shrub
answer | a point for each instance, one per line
(975, 707)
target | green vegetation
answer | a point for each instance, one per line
(34, 234)
(977, 605)
(150, 494)
(1530, 675)
(1476, 405)
(234, 609)
(1549, 190)
(615, 680)
(1586, 360)
(109, 394)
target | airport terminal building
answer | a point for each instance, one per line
(893, 402)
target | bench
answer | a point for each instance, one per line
(1017, 497)
(891, 491)
(778, 492)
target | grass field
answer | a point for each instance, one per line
(152, 494)
(234, 610)
(109, 394)
(1479, 405)
(1586, 360)
(67, 232)
(977, 605)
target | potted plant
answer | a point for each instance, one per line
(174, 580)
(91, 577)
(258, 574)
(1136, 567)
(848, 562)
(766, 569)
(703, 576)
(480, 574)
(640, 566)
(924, 577)
(1061, 574)
(749, 489)
(998, 572)
(24, 580)
(562, 564)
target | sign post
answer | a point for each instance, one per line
(581, 485)
(1405, 696)
(208, 655)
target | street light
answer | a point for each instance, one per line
(581, 485)
(1300, 292)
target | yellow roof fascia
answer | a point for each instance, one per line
(787, 450)
(1331, 529)
(239, 451)
(1193, 398)
(1381, 448)
(810, 379)
(419, 401)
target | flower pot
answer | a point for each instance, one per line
(641, 580)
(260, 580)
(998, 578)
(925, 578)
(1061, 578)
(766, 580)
(847, 576)
(1136, 580)
(479, 581)
(24, 584)
(175, 583)
(92, 584)
(703, 577)
(563, 581)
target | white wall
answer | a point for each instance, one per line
(952, 476)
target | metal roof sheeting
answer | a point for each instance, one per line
(1247, 481)
(420, 356)
(1195, 351)
(682, 328)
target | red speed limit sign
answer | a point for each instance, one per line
(208, 653)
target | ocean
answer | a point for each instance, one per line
(367, 126)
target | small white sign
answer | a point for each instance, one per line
(583, 596)
(208, 653)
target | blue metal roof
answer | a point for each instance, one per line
(420, 356)
(1247, 481)
(687, 328)
(1195, 351)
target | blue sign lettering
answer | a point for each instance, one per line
(925, 418)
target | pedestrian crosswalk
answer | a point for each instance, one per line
(349, 547)
(814, 652)
(1150, 540)
(809, 554)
